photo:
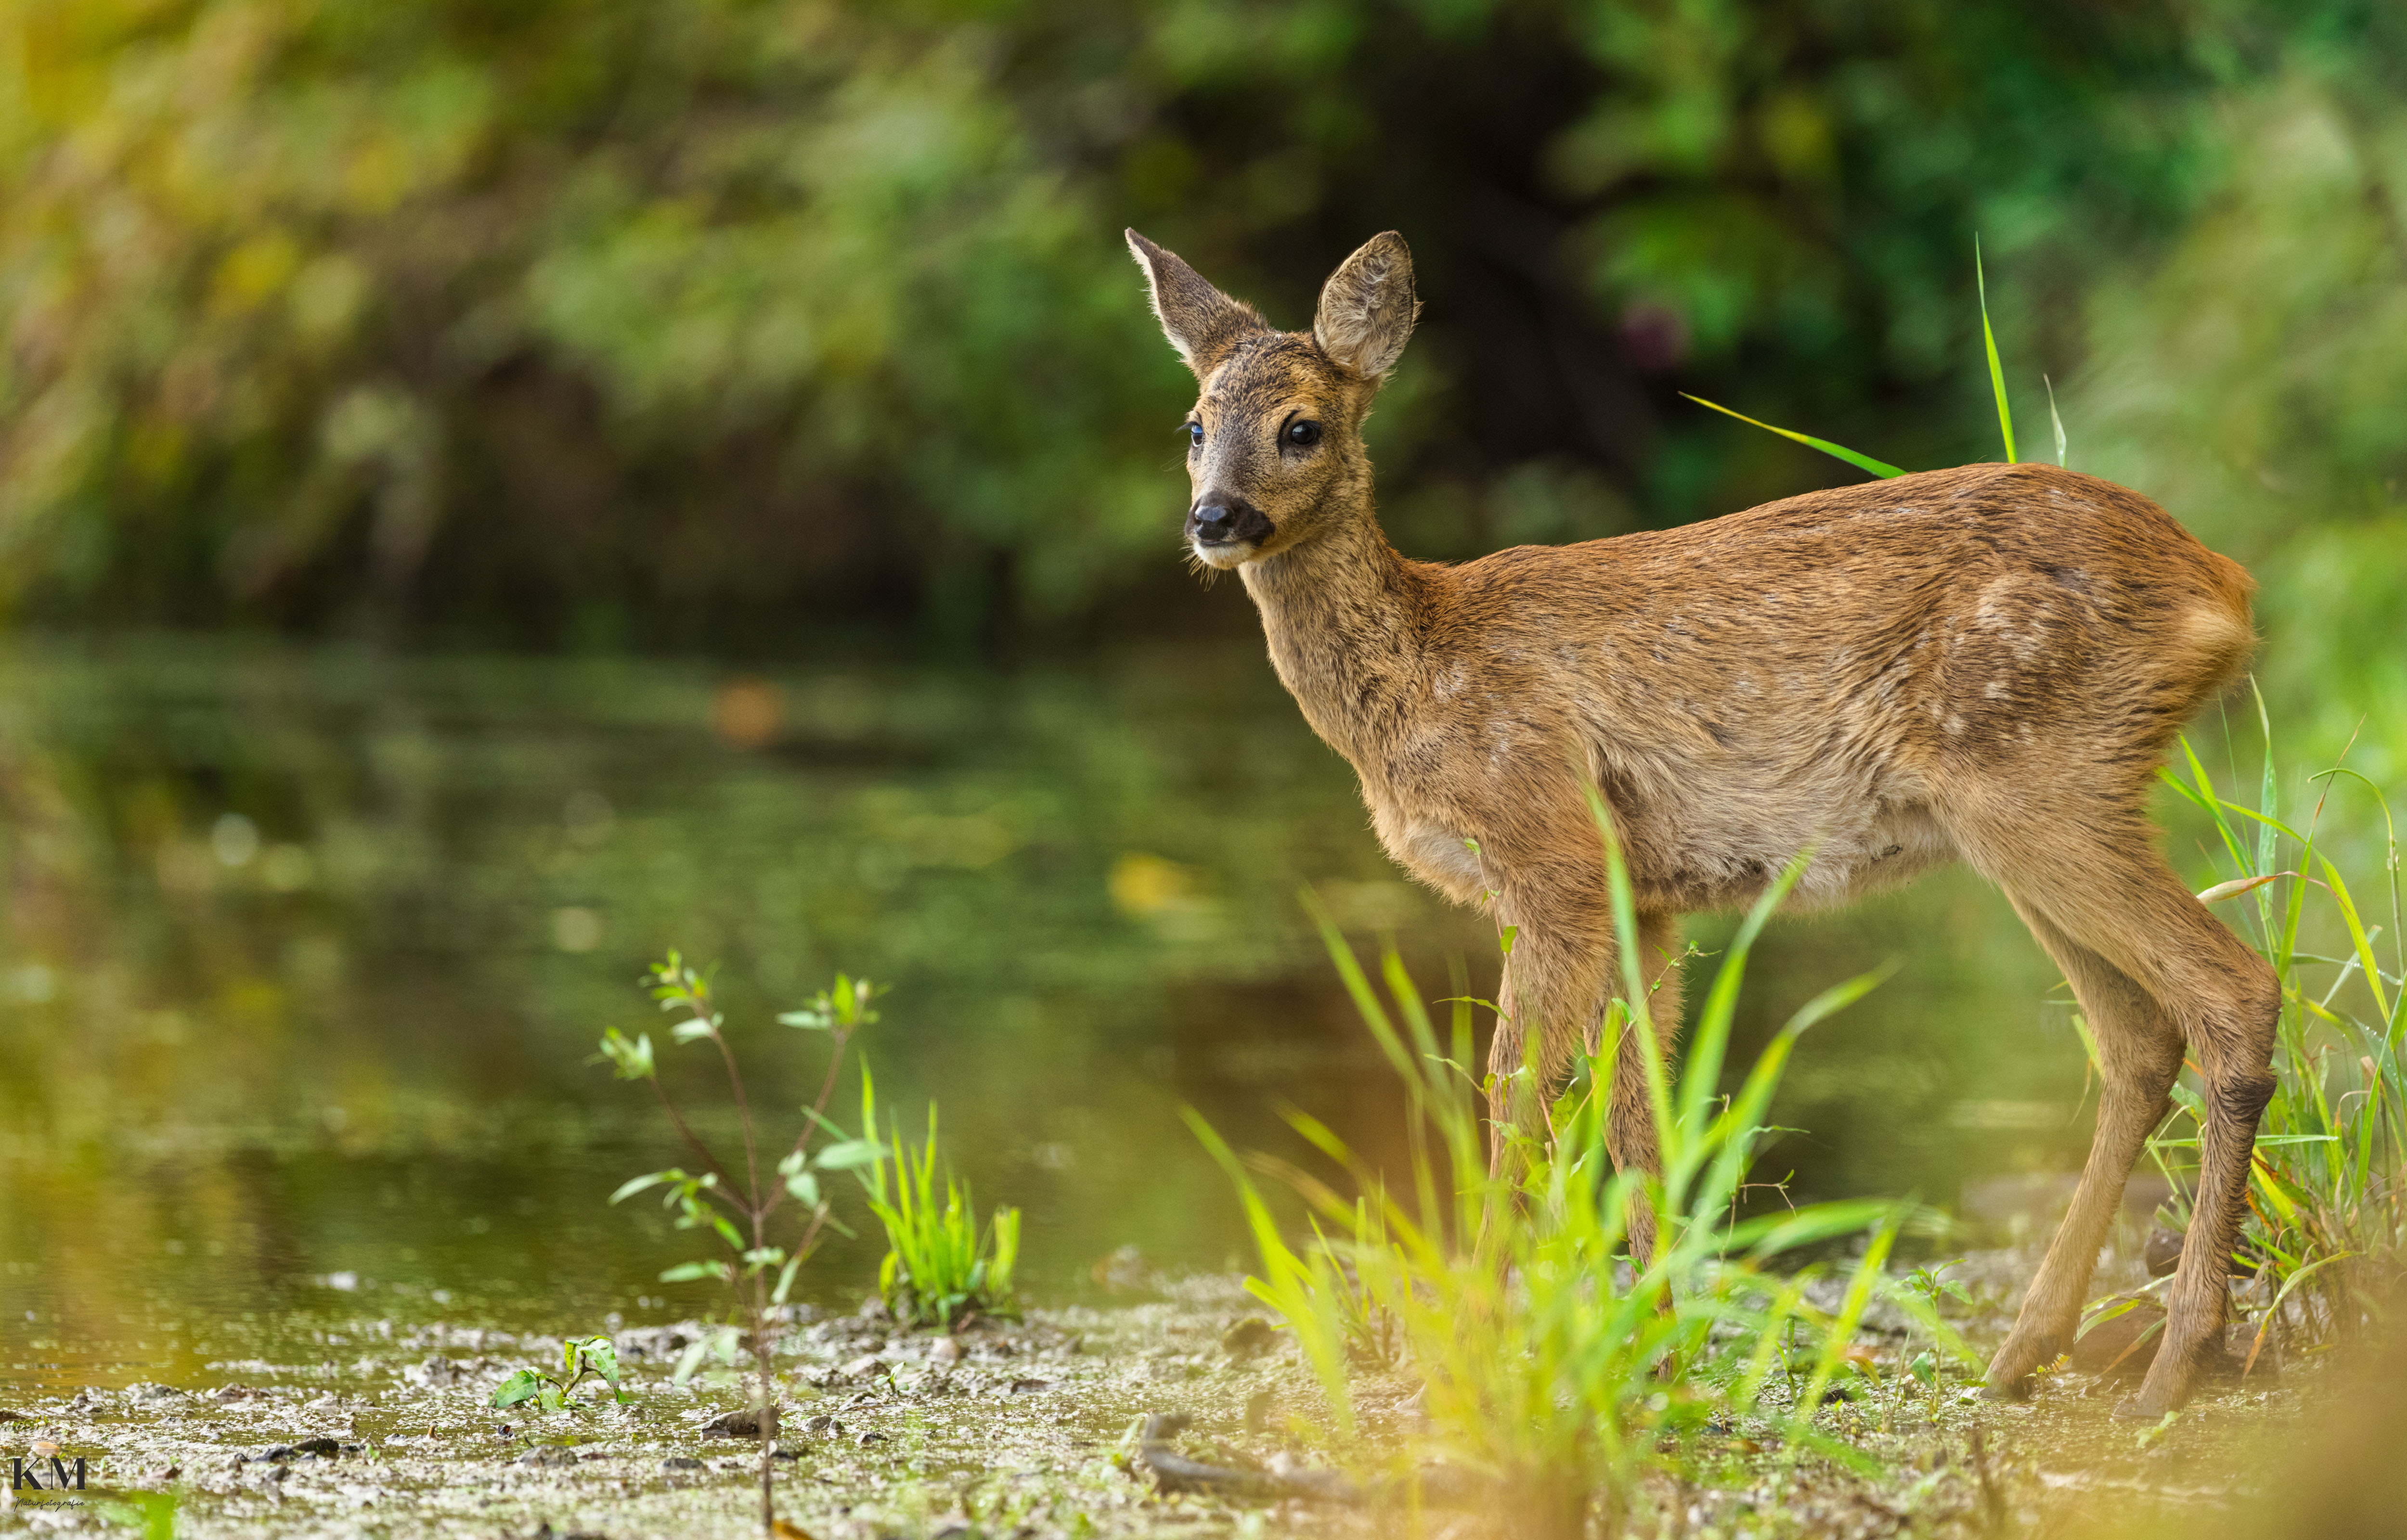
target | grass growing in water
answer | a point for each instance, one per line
(938, 1268)
(1541, 1374)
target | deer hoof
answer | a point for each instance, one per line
(2138, 1408)
(2007, 1390)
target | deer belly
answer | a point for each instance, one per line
(1726, 862)
(1892, 846)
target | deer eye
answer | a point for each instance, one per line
(1303, 436)
(1195, 434)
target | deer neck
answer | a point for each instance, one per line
(1343, 613)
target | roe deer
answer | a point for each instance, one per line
(1984, 664)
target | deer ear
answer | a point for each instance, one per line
(1200, 320)
(1367, 307)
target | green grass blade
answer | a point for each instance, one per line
(1989, 341)
(2056, 421)
(1288, 1289)
(1841, 1329)
(1642, 1021)
(2357, 936)
(1703, 1080)
(1839, 451)
(1358, 986)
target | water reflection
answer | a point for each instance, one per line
(304, 952)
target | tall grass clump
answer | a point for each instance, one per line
(1545, 1375)
(940, 1270)
(2325, 1229)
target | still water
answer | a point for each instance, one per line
(305, 954)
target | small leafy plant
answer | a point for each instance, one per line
(580, 1358)
(1919, 1293)
(737, 1204)
(938, 1270)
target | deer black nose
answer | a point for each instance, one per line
(1218, 520)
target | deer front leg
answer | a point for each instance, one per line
(1551, 1005)
(1629, 1131)
(1548, 1006)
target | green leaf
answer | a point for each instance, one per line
(849, 1154)
(1862, 462)
(693, 1031)
(1506, 936)
(1989, 341)
(804, 1187)
(633, 1185)
(631, 1060)
(521, 1386)
(785, 1280)
(687, 1272)
(601, 1355)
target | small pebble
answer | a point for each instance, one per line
(1249, 1338)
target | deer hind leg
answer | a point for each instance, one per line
(2116, 897)
(2140, 1053)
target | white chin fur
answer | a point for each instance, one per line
(1221, 556)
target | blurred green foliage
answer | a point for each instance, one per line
(591, 321)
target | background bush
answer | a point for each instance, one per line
(592, 322)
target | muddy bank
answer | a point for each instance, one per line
(1169, 1417)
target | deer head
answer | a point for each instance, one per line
(1274, 440)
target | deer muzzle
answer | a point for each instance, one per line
(1223, 525)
